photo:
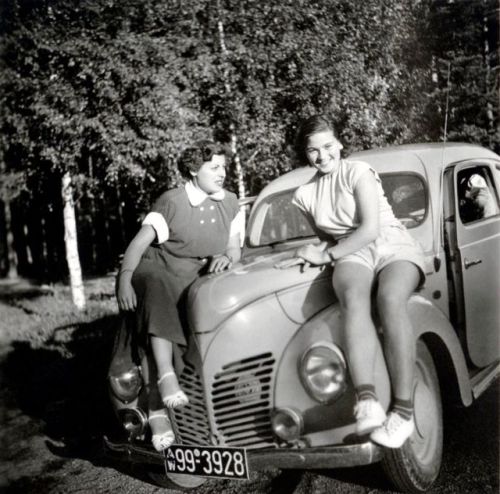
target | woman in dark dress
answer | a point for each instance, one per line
(190, 230)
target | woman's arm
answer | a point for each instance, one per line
(125, 294)
(232, 255)
(366, 196)
(233, 248)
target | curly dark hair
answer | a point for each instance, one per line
(308, 127)
(193, 157)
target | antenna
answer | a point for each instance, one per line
(445, 130)
(437, 259)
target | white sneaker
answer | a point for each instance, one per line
(369, 415)
(394, 432)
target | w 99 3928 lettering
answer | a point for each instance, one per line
(218, 462)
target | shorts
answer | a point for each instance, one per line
(394, 243)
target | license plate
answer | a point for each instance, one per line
(207, 461)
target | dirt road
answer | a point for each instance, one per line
(53, 414)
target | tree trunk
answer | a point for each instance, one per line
(488, 83)
(71, 243)
(11, 251)
(92, 219)
(234, 140)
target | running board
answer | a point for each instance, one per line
(482, 380)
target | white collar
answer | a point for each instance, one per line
(196, 196)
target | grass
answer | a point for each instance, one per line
(40, 316)
(54, 358)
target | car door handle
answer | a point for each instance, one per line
(472, 262)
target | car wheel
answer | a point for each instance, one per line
(175, 480)
(415, 466)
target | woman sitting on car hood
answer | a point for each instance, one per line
(368, 246)
(191, 230)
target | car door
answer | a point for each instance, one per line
(478, 244)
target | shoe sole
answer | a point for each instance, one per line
(391, 445)
(367, 428)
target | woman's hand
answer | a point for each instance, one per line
(306, 255)
(125, 293)
(219, 263)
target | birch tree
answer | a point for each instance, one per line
(228, 90)
(71, 243)
(11, 186)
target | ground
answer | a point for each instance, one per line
(53, 411)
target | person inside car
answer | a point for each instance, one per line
(368, 247)
(475, 198)
(190, 230)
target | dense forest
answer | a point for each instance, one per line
(99, 97)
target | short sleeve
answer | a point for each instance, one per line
(159, 224)
(298, 199)
(158, 218)
(356, 170)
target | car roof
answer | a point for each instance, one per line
(428, 159)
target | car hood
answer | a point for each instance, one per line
(213, 298)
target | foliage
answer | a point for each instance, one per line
(290, 59)
(43, 318)
(112, 91)
(464, 37)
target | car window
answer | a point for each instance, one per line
(407, 196)
(278, 220)
(477, 197)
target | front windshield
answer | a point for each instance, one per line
(276, 220)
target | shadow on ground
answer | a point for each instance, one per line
(63, 383)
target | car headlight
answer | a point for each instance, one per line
(323, 372)
(127, 385)
(134, 421)
(287, 424)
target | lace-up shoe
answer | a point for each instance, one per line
(369, 415)
(394, 431)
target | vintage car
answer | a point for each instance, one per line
(265, 369)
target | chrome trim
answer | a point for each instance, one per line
(137, 429)
(133, 377)
(302, 372)
(296, 418)
(322, 457)
(483, 379)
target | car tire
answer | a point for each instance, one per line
(414, 467)
(176, 481)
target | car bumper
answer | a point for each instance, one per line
(322, 457)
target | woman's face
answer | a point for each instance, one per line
(323, 151)
(210, 177)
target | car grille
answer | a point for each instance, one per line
(242, 402)
(191, 420)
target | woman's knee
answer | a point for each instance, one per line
(354, 299)
(391, 301)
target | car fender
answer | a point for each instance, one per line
(432, 326)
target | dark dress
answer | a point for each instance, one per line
(166, 270)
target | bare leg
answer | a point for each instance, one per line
(397, 281)
(159, 422)
(352, 283)
(168, 385)
(162, 352)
